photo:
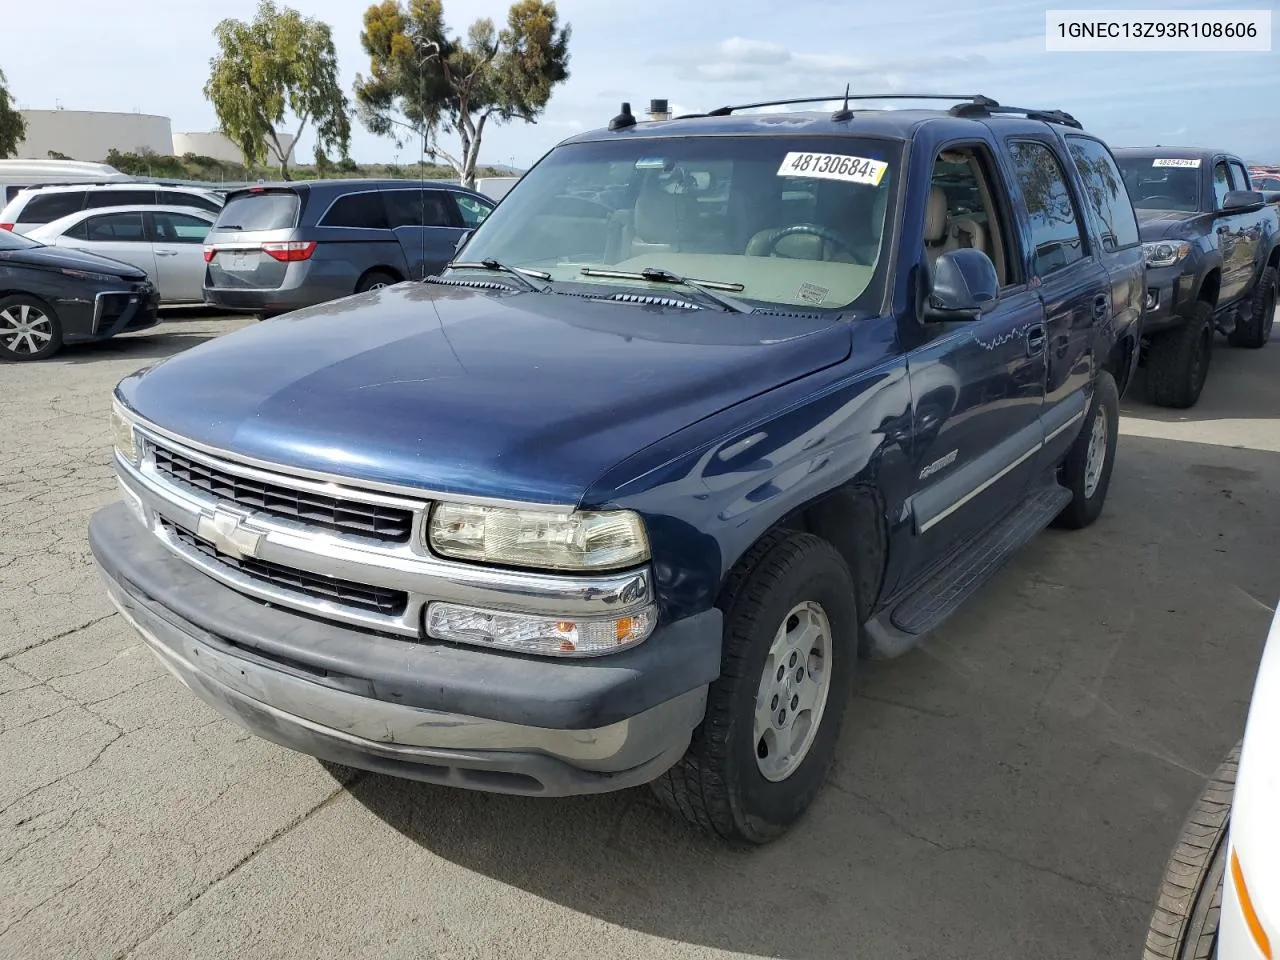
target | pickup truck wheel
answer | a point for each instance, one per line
(1253, 328)
(1178, 360)
(1184, 925)
(29, 328)
(764, 747)
(1086, 471)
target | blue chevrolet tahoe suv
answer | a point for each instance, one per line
(704, 412)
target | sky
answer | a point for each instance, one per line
(152, 56)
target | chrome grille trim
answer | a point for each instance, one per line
(406, 567)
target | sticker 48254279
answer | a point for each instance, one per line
(1176, 162)
(833, 166)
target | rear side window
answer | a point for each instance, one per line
(361, 210)
(171, 199)
(260, 211)
(1105, 193)
(115, 228)
(471, 210)
(178, 228)
(1056, 237)
(118, 198)
(47, 207)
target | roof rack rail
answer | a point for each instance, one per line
(991, 108)
(975, 98)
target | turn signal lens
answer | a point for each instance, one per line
(538, 635)
(122, 435)
(1246, 907)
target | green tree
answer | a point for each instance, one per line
(13, 125)
(280, 62)
(425, 81)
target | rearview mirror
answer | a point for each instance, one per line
(1243, 200)
(963, 287)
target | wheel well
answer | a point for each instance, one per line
(389, 271)
(851, 519)
(1210, 287)
(1118, 363)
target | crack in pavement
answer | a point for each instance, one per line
(59, 636)
(1096, 886)
(67, 888)
(70, 773)
(192, 900)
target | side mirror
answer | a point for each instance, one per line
(963, 287)
(1243, 200)
(462, 241)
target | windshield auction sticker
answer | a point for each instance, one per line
(833, 166)
(1173, 162)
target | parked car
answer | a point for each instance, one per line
(279, 247)
(624, 494)
(1220, 896)
(50, 296)
(18, 175)
(37, 206)
(1213, 255)
(167, 243)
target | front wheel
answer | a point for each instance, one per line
(1178, 360)
(29, 328)
(768, 738)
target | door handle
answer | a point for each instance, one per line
(1035, 339)
(166, 253)
(1101, 306)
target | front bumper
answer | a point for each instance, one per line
(427, 711)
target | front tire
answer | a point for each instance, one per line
(1184, 925)
(1086, 471)
(29, 328)
(1178, 360)
(1253, 328)
(762, 752)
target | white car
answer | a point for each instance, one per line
(1220, 899)
(165, 242)
(36, 206)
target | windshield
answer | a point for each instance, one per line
(796, 221)
(1154, 186)
(15, 241)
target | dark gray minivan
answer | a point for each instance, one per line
(279, 247)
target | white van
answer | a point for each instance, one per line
(17, 175)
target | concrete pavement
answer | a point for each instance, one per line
(1010, 790)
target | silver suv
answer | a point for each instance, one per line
(36, 206)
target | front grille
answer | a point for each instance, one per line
(361, 596)
(389, 524)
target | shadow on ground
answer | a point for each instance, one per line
(1010, 789)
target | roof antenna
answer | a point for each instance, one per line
(624, 119)
(844, 113)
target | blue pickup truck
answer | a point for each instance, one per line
(707, 410)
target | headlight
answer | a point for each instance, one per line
(122, 434)
(547, 636)
(90, 275)
(545, 539)
(1165, 253)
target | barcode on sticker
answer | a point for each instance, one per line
(1175, 163)
(833, 166)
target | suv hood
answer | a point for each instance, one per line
(57, 258)
(525, 396)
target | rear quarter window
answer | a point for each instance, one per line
(47, 207)
(119, 198)
(259, 211)
(1108, 201)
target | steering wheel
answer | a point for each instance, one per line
(808, 229)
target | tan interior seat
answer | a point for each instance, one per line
(660, 220)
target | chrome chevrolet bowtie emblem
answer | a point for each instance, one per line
(230, 533)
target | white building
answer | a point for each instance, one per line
(92, 134)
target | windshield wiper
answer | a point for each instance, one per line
(707, 288)
(519, 273)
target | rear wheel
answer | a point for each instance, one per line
(29, 328)
(760, 756)
(1185, 923)
(375, 280)
(1178, 359)
(1253, 327)
(1086, 471)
